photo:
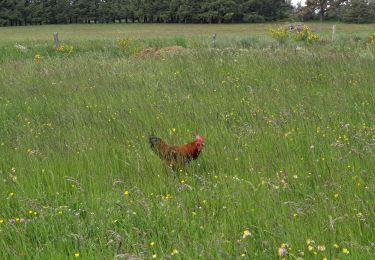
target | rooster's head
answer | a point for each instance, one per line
(199, 140)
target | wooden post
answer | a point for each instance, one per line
(56, 39)
(333, 32)
(214, 40)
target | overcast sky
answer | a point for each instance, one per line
(294, 2)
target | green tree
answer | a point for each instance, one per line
(359, 11)
(5, 9)
(61, 11)
(324, 8)
(20, 12)
(36, 12)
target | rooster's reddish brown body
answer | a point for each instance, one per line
(177, 156)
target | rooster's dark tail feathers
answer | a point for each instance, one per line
(154, 140)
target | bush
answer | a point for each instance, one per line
(281, 34)
(371, 38)
(306, 35)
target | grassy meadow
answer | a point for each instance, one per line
(287, 170)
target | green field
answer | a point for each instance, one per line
(287, 170)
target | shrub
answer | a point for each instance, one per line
(306, 35)
(281, 34)
(371, 38)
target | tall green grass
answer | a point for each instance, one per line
(289, 154)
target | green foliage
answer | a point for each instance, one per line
(359, 11)
(371, 38)
(351, 11)
(148, 11)
(253, 18)
(306, 35)
(281, 34)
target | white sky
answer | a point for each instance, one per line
(294, 2)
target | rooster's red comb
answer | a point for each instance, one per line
(200, 138)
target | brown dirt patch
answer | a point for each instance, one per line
(150, 51)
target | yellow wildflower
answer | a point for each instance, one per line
(345, 251)
(76, 254)
(246, 233)
(126, 193)
(321, 248)
(309, 242)
(174, 251)
(38, 57)
(152, 243)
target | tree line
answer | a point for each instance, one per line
(29, 12)
(24, 12)
(353, 11)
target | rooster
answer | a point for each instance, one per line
(177, 156)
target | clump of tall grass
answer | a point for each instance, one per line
(129, 46)
(166, 42)
(65, 49)
(371, 38)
